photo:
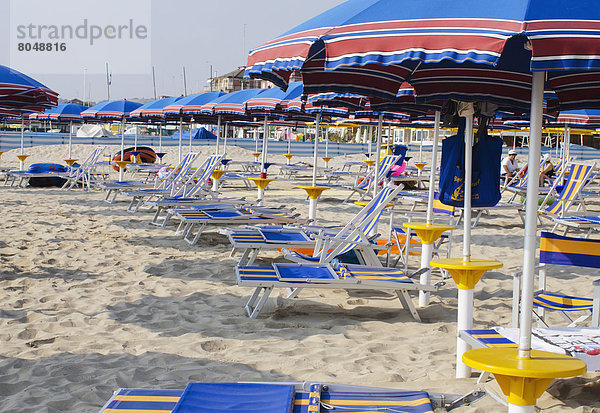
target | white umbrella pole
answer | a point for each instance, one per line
(22, 163)
(316, 149)
(420, 145)
(218, 134)
(191, 130)
(427, 249)
(327, 141)
(465, 296)
(377, 153)
(135, 138)
(265, 146)
(180, 138)
(70, 137)
(159, 138)
(255, 140)
(122, 170)
(225, 138)
(370, 140)
(531, 208)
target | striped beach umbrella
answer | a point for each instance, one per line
(68, 112)
(115, 110)
(505, 52)
(21, 92)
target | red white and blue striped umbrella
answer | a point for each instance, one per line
(372, 47)
(190, 105)
(111, 110)
(21, 92)
(154, 109)
(582, 118)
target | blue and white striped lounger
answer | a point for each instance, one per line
(282, 398)
(326, 276)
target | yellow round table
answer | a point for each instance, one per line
(369, 162)
(466, 274)
(122, 164)
(420, 165)
(428, 233)
(261, 183)
(217, 174)
(289, 156)
(326, 159)
(314, 192)
(69, 161)
(523, 380)
(256, 155)
(22, 157)
(2, 153)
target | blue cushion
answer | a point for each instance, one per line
(236, 397)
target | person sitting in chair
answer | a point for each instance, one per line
(509, 167)
(546, 170)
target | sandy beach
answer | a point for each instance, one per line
(95, 298)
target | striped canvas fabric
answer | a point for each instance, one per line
(579, 173)
(562, 250)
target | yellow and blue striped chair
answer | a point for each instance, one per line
(561, 250)
(364, 185)
(571, 192)
(308, 397)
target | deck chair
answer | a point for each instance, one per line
(307, 397)
(364, 185)
(296, 277)
(408, 242)
(250, 241)
(570, 194)
(84, 175)
(174, 177)
(353, 237)
(192, 186)
(224, 215)
(561, 250)
(587, 223)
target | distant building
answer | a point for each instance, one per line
(232, 81)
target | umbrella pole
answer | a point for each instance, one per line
(135, 138)
(263, 174)
(531, 209)
(226, 129)
(180, 137)
(370, 140)
(70, 137)
(427, 248)
(22, 162)
(218, 134)
(122, 170)
(465, 295)
(377, 157)
(327, 141)
(160, 138)
(191, 130)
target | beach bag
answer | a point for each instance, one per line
(487, 154)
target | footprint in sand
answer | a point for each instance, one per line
(213, 346)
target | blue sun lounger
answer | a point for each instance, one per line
(307, 397)
(296, 277)
(353, 236)
(566, 251)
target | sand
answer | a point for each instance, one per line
(95, 298)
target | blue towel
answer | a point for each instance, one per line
(236, 398)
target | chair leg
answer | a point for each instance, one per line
(252, 309)
(293, 292)
(408, 304)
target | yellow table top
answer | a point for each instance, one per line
(420, 165)
(289, 155)
(22, 157)
(459, 264)
(542, 364)
(369, 162)
(217, 174)
(326, 158)
(314, 192)
(466, 274)
(261, 183)
(428, 233)
(122, 164)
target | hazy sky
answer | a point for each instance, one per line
(190, 33)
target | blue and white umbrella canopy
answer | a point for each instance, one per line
(153, 110)
(66, 112)
(111, 110)
(190, 105)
